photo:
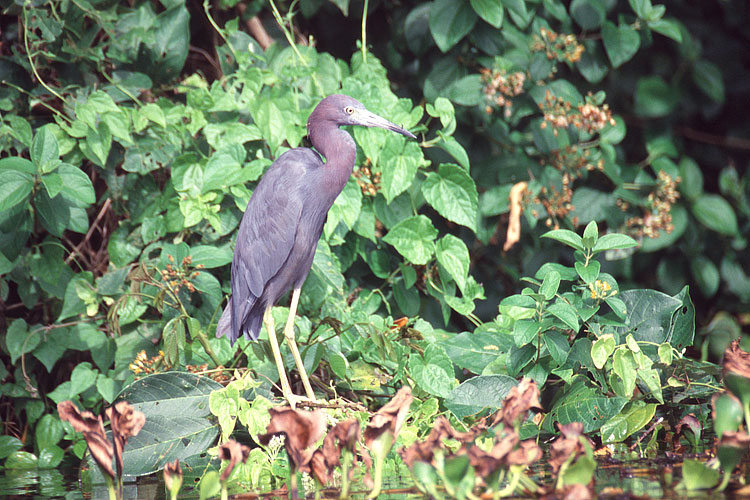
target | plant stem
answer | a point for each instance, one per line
(345, 464)
(364, 32)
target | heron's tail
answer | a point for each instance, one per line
(224, 326)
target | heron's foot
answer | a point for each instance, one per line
(293, 399)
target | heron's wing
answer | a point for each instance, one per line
(269, 226)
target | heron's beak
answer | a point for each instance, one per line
(368, 119)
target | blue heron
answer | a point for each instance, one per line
(283, 222)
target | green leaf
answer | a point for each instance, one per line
(602, 349)
(489, 10)
(414, 238)
(696, 475)
(633, 418)
(19, 341)
(655, 98)
(707, 76)
(590, 235)
(581, 402)
(550, 284)
(450, 21)
(692, 178)
(15, 188)
(565, 313)
(455, 149)
(524, 331)
(398, 170)
(589, 14)
(557, 345)
(589, 273)
(77, 184)
(433, 372)
(478, 393)
(714, 212)
(621, 43)
(614, 241)
(565, 236)
(667, 27)
(82, 377)
(453, 255)
(44, 151)
(451, 191)
(706, 275)
(169, 394)
(473, 351)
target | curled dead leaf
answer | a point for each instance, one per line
(736, 360)
(301, 429)
(577, 492)
(92, 428)
(173, 475)
(125, 422)
(526, 453)
(736, 439)
(518, 402)
(235, 453)
(569, 443)
(390, 417)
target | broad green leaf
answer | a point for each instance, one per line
(706, 275)
(589, 273)
(565, 313)
(624, 365)
(557, 345)
(589, 14)
(708, 77)
(19, 340)
(398, 170)
(714, 212)
(451, 191)
(453, 255)
(655, 98)
(550, 284)
(614, 241)
(15, 188)
(525, 330)
(565, 236)
(414, 238)
(450, 21)
(473, 351)
(581, 402)
(489, 10)
(633, 418)
(169, 394)
(692, 178)
(602, 349)
(590, 234)
(433, 371)
(77, 184)
(696, 475)
(44, 151)
(478, 393)
(621, 43)
(667, 27)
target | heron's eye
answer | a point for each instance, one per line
(349, 110)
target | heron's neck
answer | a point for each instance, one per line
(339, 151)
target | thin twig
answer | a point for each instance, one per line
(85, 239)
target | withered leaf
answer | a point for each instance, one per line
(172, 475)
(235, 453)
(390, 417)
(520, 399)
(92, 428)
(126, 422)
(301, 429)
(569, 443)
(736, 360)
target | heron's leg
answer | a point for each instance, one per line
(286, 389)
(289, 334)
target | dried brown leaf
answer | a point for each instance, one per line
(172, 474)
(301, 429)
(736, 360)
(513, 234)
(126, 422)
(92, 428)
(390, 417)
(235, 453)
(736, 439)
(568, 444)
(520, 399)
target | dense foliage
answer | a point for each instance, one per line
(133, 133)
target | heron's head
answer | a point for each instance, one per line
(344, 110)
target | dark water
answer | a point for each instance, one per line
(614, 478)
